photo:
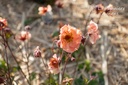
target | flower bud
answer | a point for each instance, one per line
(99, 8)
(59, 3)
(27, 28)
(109, 10)
(37, 52)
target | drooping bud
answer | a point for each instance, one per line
(3, 23)
(8, 32)
(23, 36)
(99, 8)
(37, 52)
(109, 10)
(54, 64)
(27, 28)
(59, 3)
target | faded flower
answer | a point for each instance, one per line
(54, 64)
(23, 35)
(93, 32)
(42, 10)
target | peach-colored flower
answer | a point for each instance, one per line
(92, 27)
(109, 10)
(94, 37)
(24, 35)
(54, 64)
(99, 8)
(93, 32)
(42, 10)
(3, 23)
(70, 38)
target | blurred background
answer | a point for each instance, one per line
(113, 44)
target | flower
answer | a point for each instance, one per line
(37, 52)
(24, 35)
(42, 10)
(3, 23)
(93, 32)
(92, 27)
(70, 38)
(54, 64)
(94, 37)
(99, 8)
(109, 10)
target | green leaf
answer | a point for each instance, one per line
(3, 65)
(101, 77)
(32, 76)
(51, 81)
(81, 66)
(56, 33)
(16, 68)
(80, 81)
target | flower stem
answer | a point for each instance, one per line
(87, 21)
(17, 63)
(99, 18)
(64, 68)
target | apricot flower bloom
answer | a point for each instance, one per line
(3, 23)
(70, 38)
(42, 10)
(93, 32)
(24, 35)
(54, 64)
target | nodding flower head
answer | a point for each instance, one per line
(23, 36)
(70, 38)
(42, 10)
(93, 32)
(99, 8)
(109, 10)
(59, 3)
(3, 23)
(37, 52)
(54, 64)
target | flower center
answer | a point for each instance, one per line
(68, 38)
(55, 63)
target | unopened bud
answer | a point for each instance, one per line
(27, 28)
(99, 8)
(37, 52)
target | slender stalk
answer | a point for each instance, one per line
(87, 21)
(99, 18)
(17, 62)
(64, 68)
(8, 68)
(60, 75)
(27, 57)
